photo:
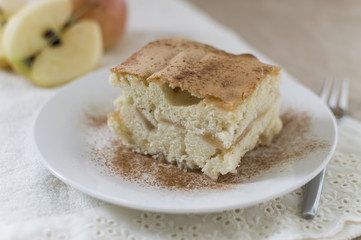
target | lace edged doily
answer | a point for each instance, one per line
(339, 215)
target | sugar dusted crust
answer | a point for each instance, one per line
(222, 79)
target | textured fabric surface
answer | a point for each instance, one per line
(339, 215)
(36, 205)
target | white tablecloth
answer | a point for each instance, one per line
(36, 205)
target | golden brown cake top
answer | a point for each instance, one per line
(223, 79)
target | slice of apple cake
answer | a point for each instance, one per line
(195, 105)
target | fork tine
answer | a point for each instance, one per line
(326, 87)
(335, 93)
(343, 102)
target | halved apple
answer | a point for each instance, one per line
(40, 43)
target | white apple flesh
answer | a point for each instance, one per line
(11, 6)
(79, 53)
(7, 9)
(38, 45)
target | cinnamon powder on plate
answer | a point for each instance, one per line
(294, 141)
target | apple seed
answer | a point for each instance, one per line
(29, 61)
(53, 39)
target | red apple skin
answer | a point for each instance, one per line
(110, 14)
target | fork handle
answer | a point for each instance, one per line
(312, 196)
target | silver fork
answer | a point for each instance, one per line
(336, 97)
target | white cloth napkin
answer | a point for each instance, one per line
(36, 205)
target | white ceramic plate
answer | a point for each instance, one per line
(58, 138)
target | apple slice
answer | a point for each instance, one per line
(80, 52)
(39, 43)
(7, 9)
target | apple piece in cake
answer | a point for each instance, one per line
(195, 105)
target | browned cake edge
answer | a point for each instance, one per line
(222, 78)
